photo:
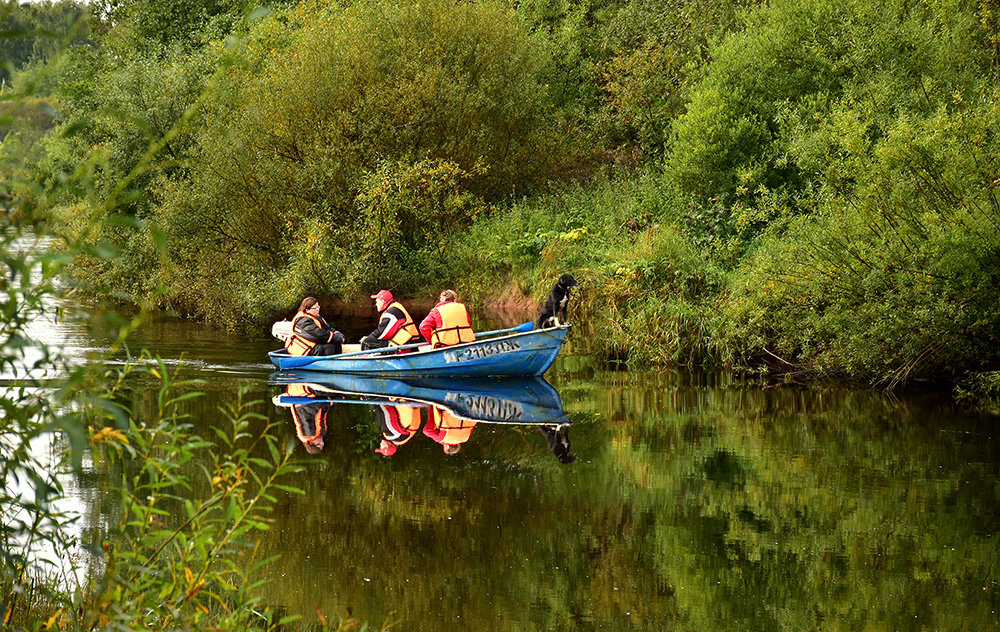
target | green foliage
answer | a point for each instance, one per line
(980, 390)
(654, 48)
(749, 126)
(409, 208)
(330, 126)
(891, 281)
(182, 553)
(151, 27)
(36, 31)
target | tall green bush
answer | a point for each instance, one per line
(894, 278)
(285, 170)
(178, 551)
(753, 122)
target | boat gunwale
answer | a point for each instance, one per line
(379, 354)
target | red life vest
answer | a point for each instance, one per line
(408, 332)
(404, 420)
(297, 344)
(454, 327)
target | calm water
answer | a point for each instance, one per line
(695, 503)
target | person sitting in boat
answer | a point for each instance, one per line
(311, 335)
(395, 326)
(310, 419)
(447, 429)
(448, 323)
(398, 423)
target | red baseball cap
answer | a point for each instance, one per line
(385, 295)
(386, 448)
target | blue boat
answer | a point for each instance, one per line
(524, 400)
(517, 352)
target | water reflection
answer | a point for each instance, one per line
(444, 410)
(698, 502)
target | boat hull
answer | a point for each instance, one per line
(519, 401)
(515, 355)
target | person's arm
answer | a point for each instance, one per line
(431, 322)
(376, 334)
(431, 430)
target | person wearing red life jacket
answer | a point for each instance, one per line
(448, 323)
(395, 326)
(447, 429)
(399, 423)
(311, 335)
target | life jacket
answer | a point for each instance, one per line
(456, 430)
(408, 331)
(310, 421)
(402, 422)
(454, 327)
(298, 345)
(299, 390)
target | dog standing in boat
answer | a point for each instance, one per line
(555, 304)
(558, 441)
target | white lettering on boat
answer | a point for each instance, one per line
(482, 351)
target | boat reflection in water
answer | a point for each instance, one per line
(445, 410)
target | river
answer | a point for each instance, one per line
(695, 502)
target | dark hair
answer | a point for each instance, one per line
(307, 303)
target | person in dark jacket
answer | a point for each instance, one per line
(311, 335)
(395, 326)
(310, 419)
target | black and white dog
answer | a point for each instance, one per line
(558, 441)
(555, 305)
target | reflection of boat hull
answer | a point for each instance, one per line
(519, 354)
(513, 401)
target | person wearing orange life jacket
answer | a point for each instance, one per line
(395, 326)
(448, 323)
(311, 335)
(398, 423)
(310, 419)
(447, 429)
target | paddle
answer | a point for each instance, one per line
(523, 327)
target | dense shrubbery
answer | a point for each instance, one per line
(804, 183)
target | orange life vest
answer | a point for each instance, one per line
(454, 327)
(408, 332)
(299, 390)
(456, 430)
(298, 345)
(409, 422)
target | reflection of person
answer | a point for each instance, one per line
(310, 419)
(447, 429)
(398, 423)
(395, 327)
(311, 335)
(448, 323)
(558, 442)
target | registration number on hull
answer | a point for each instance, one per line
(480, 352)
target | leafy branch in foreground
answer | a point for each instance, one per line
(182, 554)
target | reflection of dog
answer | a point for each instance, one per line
(558, 442)
(555, 304)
